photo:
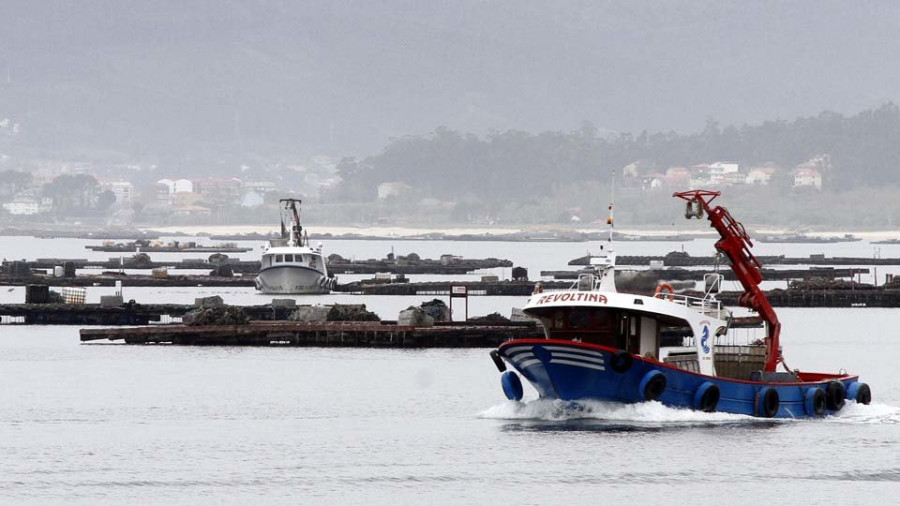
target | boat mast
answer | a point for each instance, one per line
(736, 244)
(612, 199)
(296, 237)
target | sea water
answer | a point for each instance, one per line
(110, 423)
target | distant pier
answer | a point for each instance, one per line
(338, 334)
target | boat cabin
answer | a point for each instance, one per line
(638, 332)
(306, 260)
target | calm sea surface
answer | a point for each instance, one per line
(107, 423)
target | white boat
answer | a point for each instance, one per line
(289, 265)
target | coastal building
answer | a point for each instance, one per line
(219, 190)
(733, 178)
(761, 175)
(174, 186)
(678, 177)
(191, 211)
(722, 172)
(123, 190)
(392, 189)
(23, 206)
(807, 177)
(260, 187)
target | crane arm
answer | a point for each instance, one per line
(735, 244)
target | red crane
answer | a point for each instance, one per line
(736, 244)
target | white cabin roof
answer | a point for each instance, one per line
(289, 250)
(690, 309)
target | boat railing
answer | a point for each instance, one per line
(705, 305)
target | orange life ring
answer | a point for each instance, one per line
(667, 288)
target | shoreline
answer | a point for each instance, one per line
(507, 233)
(531, 232)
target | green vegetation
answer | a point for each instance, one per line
(517, 177)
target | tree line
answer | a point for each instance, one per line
(863, 150)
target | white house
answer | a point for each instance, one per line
(23, 206)
(807, 177)
(720, 171)
(182, 186)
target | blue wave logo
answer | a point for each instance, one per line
(704, 341)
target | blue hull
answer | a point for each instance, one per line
(568, 370)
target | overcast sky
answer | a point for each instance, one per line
(342, 77)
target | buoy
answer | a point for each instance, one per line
(835, 393)
(665, 288)
(859, 392)
(652, 385)
(512, 386)
(767, 402)
(621, 361)
(495, 356)
(814, 401)
(706, 397)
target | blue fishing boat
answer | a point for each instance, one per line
(680, 350)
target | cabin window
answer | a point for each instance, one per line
(267, 260)
(279, 259)
(579, 318)
(559, 319)
(582, 318)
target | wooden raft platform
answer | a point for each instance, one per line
(337, 334)
(128, 314)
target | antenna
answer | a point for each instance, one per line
(612, 199)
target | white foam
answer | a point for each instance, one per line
(657, 413)
(866, 414)
(641, 413)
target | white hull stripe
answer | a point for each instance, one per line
(566, 349)
(528, 363)
(572, 349)
(516, 349)
(578, 364)
(579, 357)
(521, 356)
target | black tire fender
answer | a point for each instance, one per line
(621, 361)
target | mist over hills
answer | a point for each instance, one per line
(205, 82)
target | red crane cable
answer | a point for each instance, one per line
(736, 244)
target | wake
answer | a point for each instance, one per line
(874, 413)
(641, 413)
(655, 413)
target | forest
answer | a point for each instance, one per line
(549, 177)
